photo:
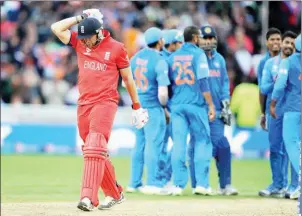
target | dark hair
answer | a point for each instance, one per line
(272, 31)
(167, 46)
(289, 34)
(189, 31)
(153, 45)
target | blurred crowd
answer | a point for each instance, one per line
(37, 68)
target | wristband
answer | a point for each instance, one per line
(79, 18)
(136, 106)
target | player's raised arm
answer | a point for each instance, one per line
(280, 85)
(61, 28)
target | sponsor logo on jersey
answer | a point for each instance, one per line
(214, 73)
(95, 66)
(88, 51)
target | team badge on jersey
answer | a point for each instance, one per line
(216, 64)
(107, 55)
(275, 68)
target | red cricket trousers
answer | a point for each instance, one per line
(98, 118)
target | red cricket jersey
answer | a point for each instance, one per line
(99, 69)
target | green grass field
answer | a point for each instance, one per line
(37, 178)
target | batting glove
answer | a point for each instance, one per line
(96, 13)
(226, 114)
(140, 117)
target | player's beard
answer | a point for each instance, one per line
(288, 51)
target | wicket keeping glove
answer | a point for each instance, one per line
(226, 114)
(140, 117)
(96, 13)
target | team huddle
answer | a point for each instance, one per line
(178, 86)
(183, 83)
(279, 79)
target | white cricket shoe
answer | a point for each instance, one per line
(202, 191)
(85, 204)
(295, 194)
(133, 190)
(176, 191)
(228, 191)
(152, 190)
(109, 202)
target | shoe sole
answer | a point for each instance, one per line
(231, 194)
(134, 191)
(293, 198)
(82, 206)
(263, 194)
(202, 194)
(107, 208)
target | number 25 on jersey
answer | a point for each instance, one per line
(184, 74)
(140, 78)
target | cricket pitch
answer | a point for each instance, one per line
(204, 207)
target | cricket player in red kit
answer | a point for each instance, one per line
(100, 60)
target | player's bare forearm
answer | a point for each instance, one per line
(207, 96)
(273, 103)
(129, 84)
(163, 95)
(273, 108)
(61, 28)
(262, 102)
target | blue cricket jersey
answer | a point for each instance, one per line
(150, 70)
(261, 67)
(187, 66)
(289, 82)
(165, 53)
(269, 76)
(259, 77)
(218, 79)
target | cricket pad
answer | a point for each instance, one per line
(95, 155)
(109, 184)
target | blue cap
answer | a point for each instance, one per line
(177, 36)
(208, 31)
(153, 35)
(298, 43)
(172, 36)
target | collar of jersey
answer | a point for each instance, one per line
(269, 55)
(154, 50)
(166, 51)
(189, 45)
(106, 35)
